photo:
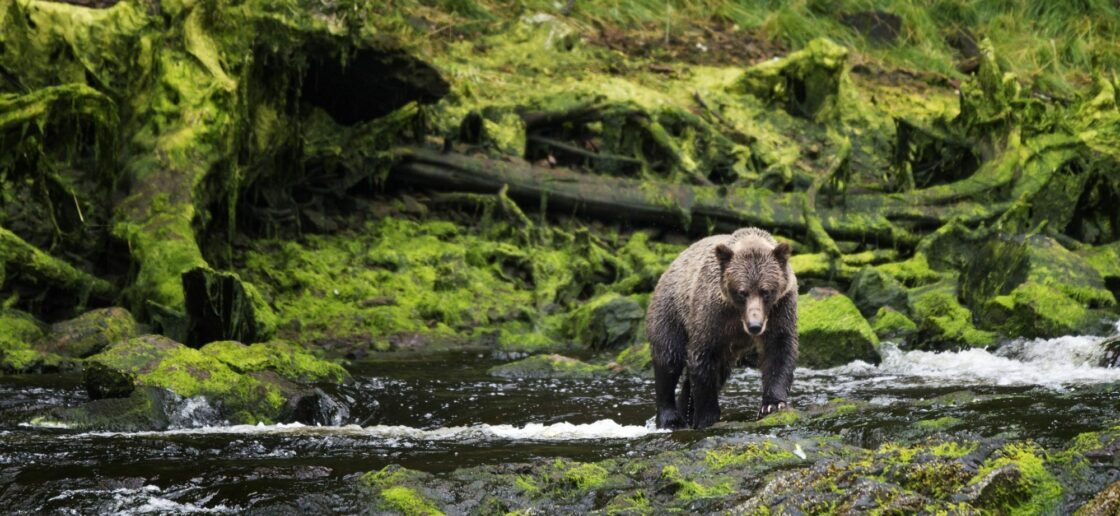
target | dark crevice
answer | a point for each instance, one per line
(369, 84)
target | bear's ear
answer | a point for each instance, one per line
(781, 253)
(724, 254)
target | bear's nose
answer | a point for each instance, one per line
(754, 329)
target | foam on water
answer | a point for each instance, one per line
(1053, 363)
(602, 429)
(143, 500)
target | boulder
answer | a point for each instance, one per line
(89, 333)
(943, 323)
(1111, 355)
(1031, 286)
(635, 359)
(872, 289)
(18, 330)
(890, 324)
(246, 384)
(550, 366)
(608, 321)
(832, 332)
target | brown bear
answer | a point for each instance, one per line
(721, 295)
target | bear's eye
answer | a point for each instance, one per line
(766, 293)
(741, 294)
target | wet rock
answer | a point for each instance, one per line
(872, 289)
(550, 366)
(608, 321)
(832, 332)
(1004, 485)
(1111, 355)
(890, 324)
(145, 408)
(1032, 286)
(89, 333)
(877, 26)
(1107, 502)
(247, 384)
(315, 407)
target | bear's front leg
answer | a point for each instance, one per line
(779, 357)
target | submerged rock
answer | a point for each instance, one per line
(832, 332)
(246, 384)
(550, 366)
(89, 333)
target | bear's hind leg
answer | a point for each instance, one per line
(684, 401)
(706, 381)
(667, 346)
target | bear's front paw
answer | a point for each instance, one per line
(769, 408)
(669, 419)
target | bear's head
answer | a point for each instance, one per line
(754, 276)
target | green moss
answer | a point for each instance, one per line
(1033, 310)
(289, 360)
(396, 487)
(943, 323)
(158, 362)
(18, 331)
(688, 489)
(635, 359)
(780, 418)
(913, 272)
(762, 452)
(938, 424)
(832, 332)
(1043, 492)
(607, 321)
(890, 324)
(584, 476)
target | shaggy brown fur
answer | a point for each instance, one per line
(720, 296)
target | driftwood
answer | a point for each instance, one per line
(885, 218)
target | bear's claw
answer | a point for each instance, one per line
(770, 408)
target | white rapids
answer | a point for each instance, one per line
(1058, 363)
(602, 429)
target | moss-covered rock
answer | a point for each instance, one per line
(1015, 480)
(248, 384)
(550, 366)
(18, 332)
(89, 333)
(890, 324)
(873, 289)
(832, 332)
(635, 359)
(608, 321)
(806, 83)
(943, 323)
(290, 361)
(1032, 286)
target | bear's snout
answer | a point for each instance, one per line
(754, 328)
(755, 320)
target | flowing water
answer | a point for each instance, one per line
(439, 413)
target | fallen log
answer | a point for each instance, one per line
(16, 254)
(889, 219)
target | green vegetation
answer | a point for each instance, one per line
(832, 332)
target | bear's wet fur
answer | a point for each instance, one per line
(722, 295)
